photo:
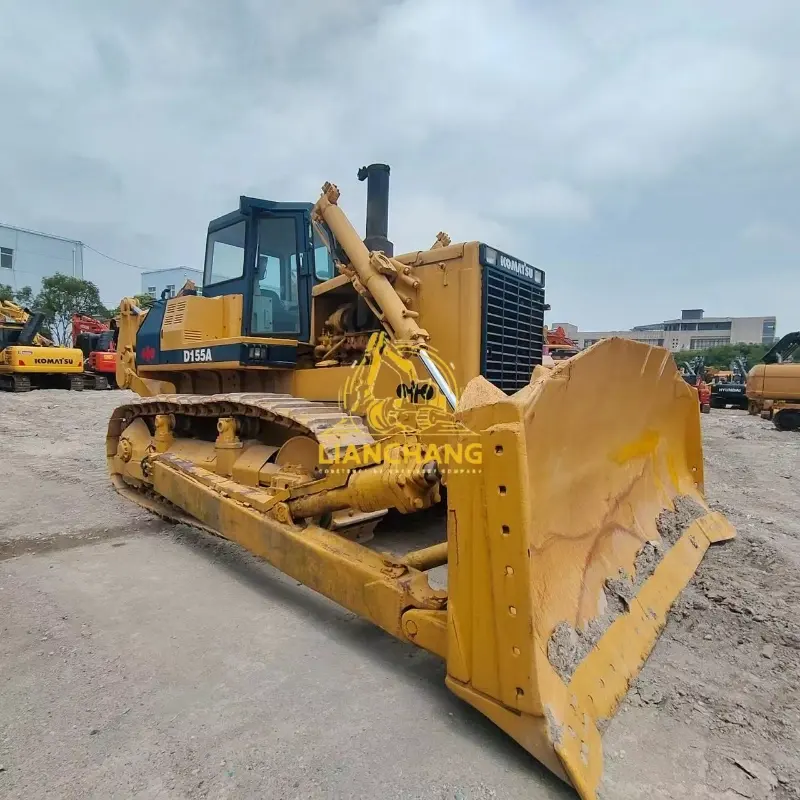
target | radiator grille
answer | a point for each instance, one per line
(513, 319)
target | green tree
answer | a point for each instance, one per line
(143, 300)
(721, 357)
(24, 296)
(61, 297)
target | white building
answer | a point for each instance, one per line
(693, 331)
(157, 281)
(28, 256)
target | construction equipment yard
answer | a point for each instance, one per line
(144, 659)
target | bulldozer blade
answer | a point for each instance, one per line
(570, 543)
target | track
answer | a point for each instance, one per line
(12, 382)
(325, 422)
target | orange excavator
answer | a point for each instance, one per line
(98, 342)
(558, 345)
(695, 374)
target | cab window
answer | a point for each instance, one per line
(225, 254)
(276, 308)
(323, 263)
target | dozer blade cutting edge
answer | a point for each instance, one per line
(565, 547)
(569, 547)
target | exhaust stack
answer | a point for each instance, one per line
(377, 177)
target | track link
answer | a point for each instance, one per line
(326, 422)
(15, 383)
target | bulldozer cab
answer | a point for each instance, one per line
(270, 254)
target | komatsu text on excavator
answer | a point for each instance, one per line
(317, 384)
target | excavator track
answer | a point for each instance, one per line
(15, 383)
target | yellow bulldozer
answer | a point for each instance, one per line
(29, 360)
(321, 384)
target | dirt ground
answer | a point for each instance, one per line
(716, 711)
(139, 659)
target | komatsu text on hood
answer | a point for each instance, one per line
(494, 258)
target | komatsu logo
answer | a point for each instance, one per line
(416, 410)
(52, 361)
(517, 267)
(198, 354)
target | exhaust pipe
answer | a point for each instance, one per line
(377, 177)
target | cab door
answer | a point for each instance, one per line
(266, 256)
(280, 296)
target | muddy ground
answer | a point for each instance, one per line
(139, 659)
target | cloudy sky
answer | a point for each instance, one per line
(646, 155)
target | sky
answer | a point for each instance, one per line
(645, 155)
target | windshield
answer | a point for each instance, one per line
(276, 308)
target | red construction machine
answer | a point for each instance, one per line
(558, 345)
(98, 342)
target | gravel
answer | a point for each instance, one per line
(723, 683)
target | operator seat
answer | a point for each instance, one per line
(283, 320)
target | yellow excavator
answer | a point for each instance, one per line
(773, 385)
(28, 359)
(321, 384)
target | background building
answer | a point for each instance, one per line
(156, 281)
(28, 256)
(693, 331)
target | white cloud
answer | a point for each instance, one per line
(583, 137)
